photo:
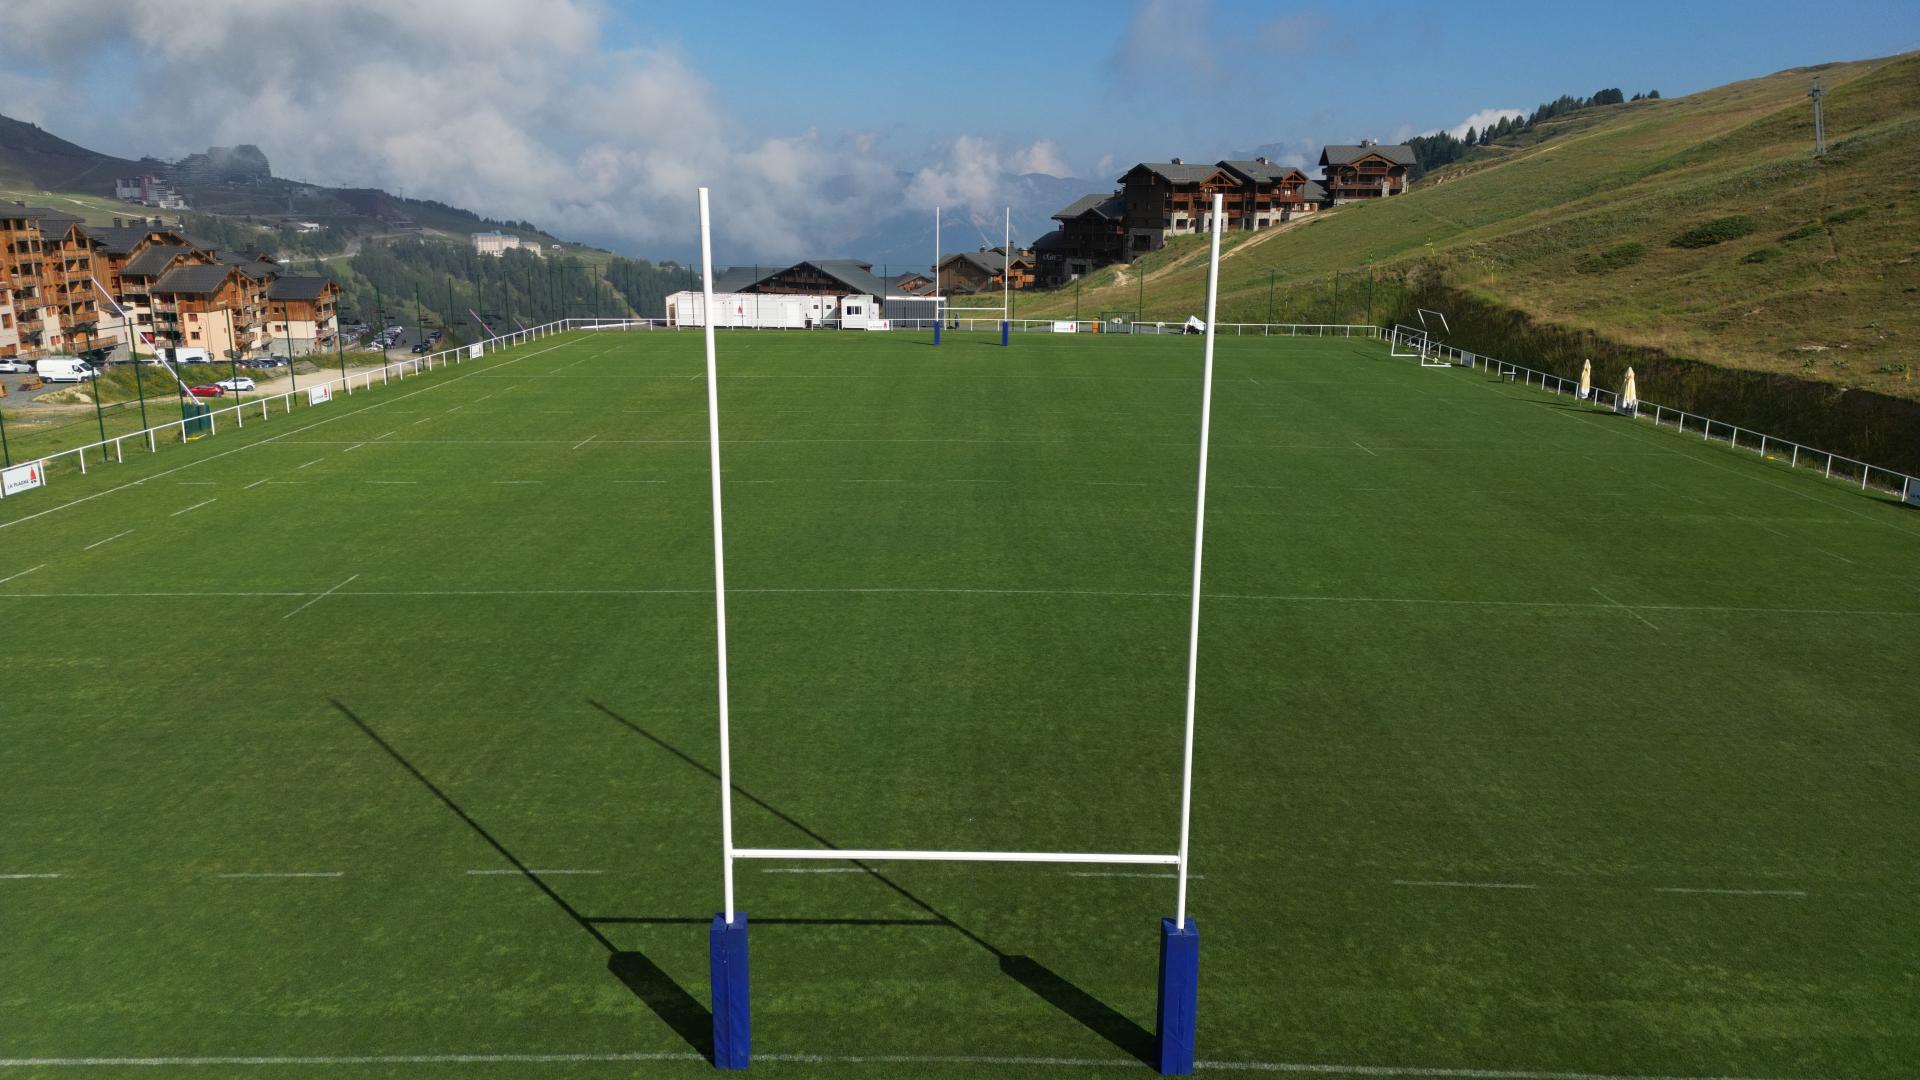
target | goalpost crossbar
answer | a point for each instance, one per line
(901, 855)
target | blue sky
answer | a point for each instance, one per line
(1159, 79)
(834, 130)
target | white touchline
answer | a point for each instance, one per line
(1305, 1068)
(518, 873)
(319, 598)
(108, 540)
(586, 440)
(1734, 892)
(1465, 884)
(291, 874)
(23, 573)
(195, 506)
(29, 877)
(1622, 607)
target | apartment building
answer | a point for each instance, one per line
(303, 314)
(49, 265)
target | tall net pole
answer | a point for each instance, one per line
(1006, 270)
(1199, 535)
(719, 559)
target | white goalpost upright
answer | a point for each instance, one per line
(1179, 937)
(1002, 316)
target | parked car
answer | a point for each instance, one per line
(206, 391)
(15, 367)
(422, 347)
(238, 384)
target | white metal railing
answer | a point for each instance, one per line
(1769, 447)
(113, 448)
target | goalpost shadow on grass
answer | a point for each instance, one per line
(1092, 1013)
(670, 1001)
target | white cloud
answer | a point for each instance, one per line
(1165, 41)
(1042, 157)
(1479, 121)
(516, 111)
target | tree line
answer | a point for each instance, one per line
(1442, 147)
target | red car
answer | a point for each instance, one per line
(206, 391)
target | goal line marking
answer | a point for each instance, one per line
(1305, 1068)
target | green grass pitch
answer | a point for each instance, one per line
(1532, 741)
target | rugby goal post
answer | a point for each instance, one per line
(1410, 343)
(1179, 938)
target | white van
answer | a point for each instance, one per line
(187, 356)
(63, 369)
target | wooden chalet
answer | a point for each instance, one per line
(985, 270)
(1092, 233)
(1269, 194)
(212, 306)
(1366, 171)
(302, 312)
(1172, 199)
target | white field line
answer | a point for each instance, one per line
(816, 870)
(23, 573)
(519, 481)
(393, 481)
(108, 540)
(195, 506)
(1734, 892)
(29, 877)
(315, 461)
(1370, 453)
(355, 446)
(1464, 884)
(1129, 874)
(253, 445)
(639, 481)
(290, 874)
(1835, 555)
(319, 598)
(586, 440)
(186, 483)
(257, 483)
(377, 438)
(518, 873)
(1623, 607)
(1421, 1072)
(935, 591)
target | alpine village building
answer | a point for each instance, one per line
(1158, 200)
(66, 286)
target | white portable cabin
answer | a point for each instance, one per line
(756, 311)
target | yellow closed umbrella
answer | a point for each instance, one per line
(1586, 380)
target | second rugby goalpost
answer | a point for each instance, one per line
(1179, 940)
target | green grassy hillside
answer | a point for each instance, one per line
(1578, 227)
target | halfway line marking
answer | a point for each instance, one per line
(291, 874)
(1622, 607)
(1466, 884)
(1736, 892)
(319, 598)
(23, 573)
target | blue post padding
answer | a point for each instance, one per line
(1179, 997)
(936, 331)
(732, 1009)
(1006, 331)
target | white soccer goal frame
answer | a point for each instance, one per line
(730, 852)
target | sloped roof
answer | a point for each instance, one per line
(1110, 206)
(1261, 171)
(43, 214)
(1314, 192)
(857, 276)
(118, 239)
(193, 280)
(297, 288)
(154, 260)
(1398, 153)
(1175, 172)
(256, 265)
(1051, 242)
